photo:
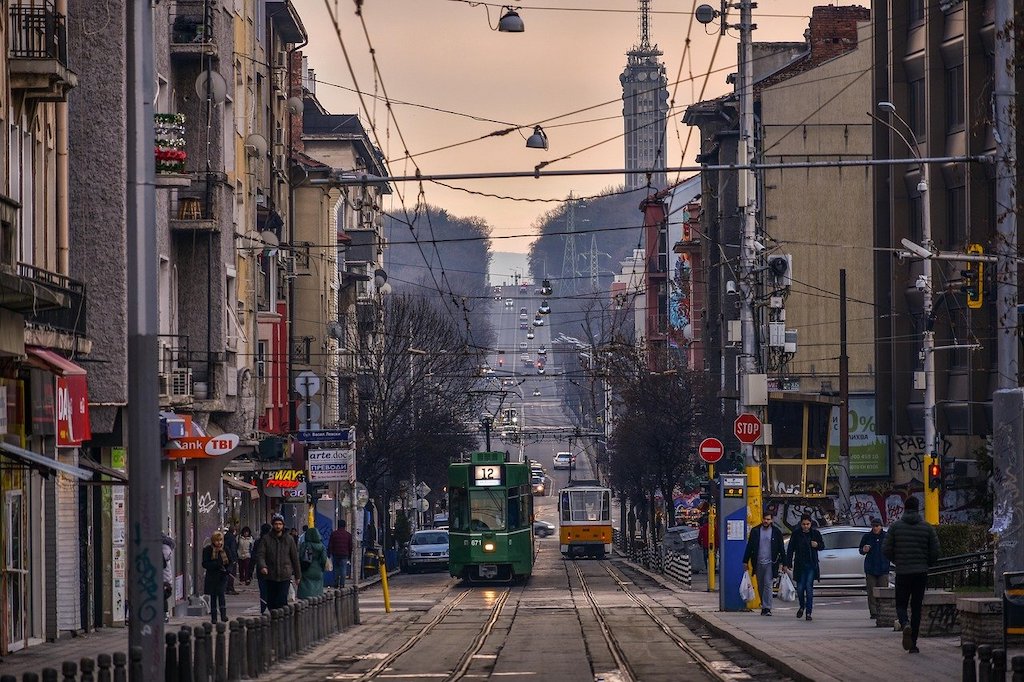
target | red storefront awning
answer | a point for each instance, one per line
(71, 395)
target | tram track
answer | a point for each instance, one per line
(723, 671)
(466, 659)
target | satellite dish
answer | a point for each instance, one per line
(218, 87)
(269, 238)
(335, 330)
(295, 105)
(256, 146)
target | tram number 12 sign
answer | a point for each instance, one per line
(747, 428)
(487, 475)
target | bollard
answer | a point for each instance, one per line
(70, 671)
(251, 667)
(185, 654)
(984, 663)
(120, 667)
(104, 663)
(171, 657)
(88, 667)
(968, 670)
(1017, 663)
(265, 642)
(291, 617)
(135, 663)
(276, 635)
(200, 669)
(355, 606)
(8, 678)
(50, 675)
(999, 664)
(27, 677)
(220, 662)
(208, 629)
(235, 650)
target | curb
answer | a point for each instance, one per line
(797, 670)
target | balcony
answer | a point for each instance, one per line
(192, 30)
(169, 133)
(38, 52)
(195, 213)
(69, 318)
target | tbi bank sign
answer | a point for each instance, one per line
(199, 447)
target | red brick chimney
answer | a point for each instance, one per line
(833, 30)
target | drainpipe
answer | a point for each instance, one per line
(61, 133)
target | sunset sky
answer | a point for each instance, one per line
(442, 56)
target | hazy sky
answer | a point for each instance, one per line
(442, 55)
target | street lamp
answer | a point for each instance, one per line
(539, 139)
(924, 284)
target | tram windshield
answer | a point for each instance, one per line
(487, 510)
(585, 505)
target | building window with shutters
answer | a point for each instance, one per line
(955, 98)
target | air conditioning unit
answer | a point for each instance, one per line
(165, 384)
(180, 383)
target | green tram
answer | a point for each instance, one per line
(490, 519)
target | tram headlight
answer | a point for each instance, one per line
(489, 546)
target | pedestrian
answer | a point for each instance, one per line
(167, 550)
(294, 533)
(876, 566)
(231, 547)
(313, 562)
(277, 560)
(802, 560)
(261, 582)
(340, 548)
(703, 539)
(912, 545)
(245, 543)
(765, 552)
(215, 582)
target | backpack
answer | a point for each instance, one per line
(306, 555)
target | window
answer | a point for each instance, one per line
(487, 510)
(956, 216)
(915, 106)
(787, 420)
(842, 539)
(955, 98)
(915, 11)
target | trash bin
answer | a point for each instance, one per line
(371, 563)
(391, 559)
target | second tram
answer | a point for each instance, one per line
(585, 520)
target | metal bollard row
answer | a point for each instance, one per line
(990, 665)
(247, 647)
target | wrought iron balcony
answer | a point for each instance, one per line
(38, 51)
(69, 318)
(193, 30)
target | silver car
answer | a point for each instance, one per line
(841, 564)
(426, 549)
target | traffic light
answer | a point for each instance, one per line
(709, 491)
(935, 476)
(972, 279)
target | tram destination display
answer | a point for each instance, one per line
(487, 475)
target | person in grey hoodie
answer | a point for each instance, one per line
(167, 550)
(912, 545)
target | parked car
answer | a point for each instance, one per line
(536, 391)
(840, 562)
(542, 350)
(509, 303)
(426, 549)
(543, 529)
(563, 460)
(530, 335)
(537, 484)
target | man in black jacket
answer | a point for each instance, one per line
(764, 552)
(802, 558)
(876, 566)
(277, 560)
(913, 545)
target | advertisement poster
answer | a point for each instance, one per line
(869, 452)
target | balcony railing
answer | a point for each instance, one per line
(192, 29)
(37, 31)
(70, 319)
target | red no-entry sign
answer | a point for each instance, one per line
(711, 450)
(747, 428)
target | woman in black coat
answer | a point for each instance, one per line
(215, 583)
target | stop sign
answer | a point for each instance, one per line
(747, 428)
(711, 450)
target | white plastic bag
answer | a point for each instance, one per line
(292, 596)
(787, 591)
(746, 587)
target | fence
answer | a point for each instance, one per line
(963, 570)
(244, 648)
(658, 559)
(990, 665)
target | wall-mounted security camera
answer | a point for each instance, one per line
(758, 246)
(916, 249)
(730, 287)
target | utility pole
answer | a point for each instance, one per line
(1008, 401)
(747, 204)
(844, 406)
(145, 559)
(569, 267)
(931, 497)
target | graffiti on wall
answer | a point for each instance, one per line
(956, 506)
(908, 454)
(206, 503)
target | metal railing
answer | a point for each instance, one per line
(71, 319)
(975, 569)
(243, 648)
(37, 31)
(192, 22)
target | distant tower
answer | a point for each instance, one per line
(570, 270)
(645, 108)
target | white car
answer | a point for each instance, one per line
(841, 564)
(426, 549)
(509, 303)
(563, 460)
(530, 335)
(542, 351)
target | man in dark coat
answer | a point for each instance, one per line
(913, 545)
(231, 547)
(277, 560)
(261, 581)
(340, 548)
(765, 551)
(802, 559)
(876, 566)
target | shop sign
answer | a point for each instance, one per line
(282, 482)
(72, 411)
(330, 465)
(200, 447)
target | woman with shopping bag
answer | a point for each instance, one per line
(765, 552)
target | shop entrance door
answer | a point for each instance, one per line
(16, 574)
